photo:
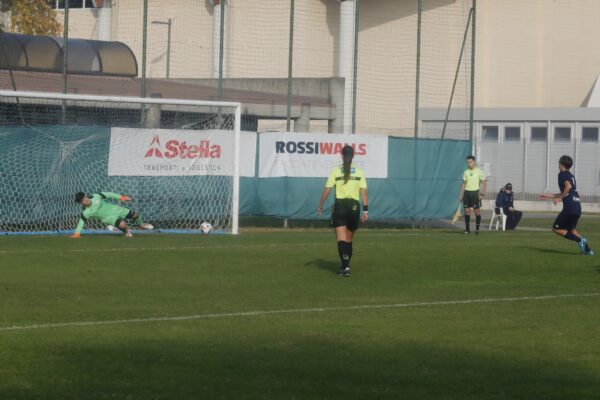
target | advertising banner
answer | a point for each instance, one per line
(178, 152)
(314, 155)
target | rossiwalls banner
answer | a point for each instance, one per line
(307, 155)
(178, 152)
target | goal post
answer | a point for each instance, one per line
(178, 159)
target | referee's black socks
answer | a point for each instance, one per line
(477, 221)
(345, 252)
(468, 222)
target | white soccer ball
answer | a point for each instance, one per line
(206, 227)
(112, 229)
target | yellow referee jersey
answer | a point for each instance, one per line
(350, 189)
(473, 178)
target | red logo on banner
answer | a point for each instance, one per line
(154, 150)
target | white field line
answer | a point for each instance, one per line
(292, 311)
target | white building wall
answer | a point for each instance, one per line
(535, 53)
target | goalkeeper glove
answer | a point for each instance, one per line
(125, 198)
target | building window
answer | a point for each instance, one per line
(589, 134)
(60, 4)
(490, 133)
(562, 134)
(539, 134)
(512, 134)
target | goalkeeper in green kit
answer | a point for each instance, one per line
(110, 214)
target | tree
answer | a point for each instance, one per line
(33, 17)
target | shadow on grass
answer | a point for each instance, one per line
(290, 367)
(327, 265)
(551, 250)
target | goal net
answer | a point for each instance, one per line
(177, 159)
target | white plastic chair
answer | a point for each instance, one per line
(497, 216)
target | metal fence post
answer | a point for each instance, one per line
(290, 67)
(548, 135)
(65, 58)
(65, 46)
(355, 68)
(524, 173)
(170, 23)
(473, 37)
(221, 48)
(144, 48)
(418, 73)
(460, 60)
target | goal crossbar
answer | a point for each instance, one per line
(117, 99)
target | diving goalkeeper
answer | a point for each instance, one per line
(110, 214)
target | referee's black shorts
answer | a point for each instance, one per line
(346, 212)
(471, 199)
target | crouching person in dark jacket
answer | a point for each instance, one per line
(505, 201)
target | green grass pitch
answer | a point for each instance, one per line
(324, 341)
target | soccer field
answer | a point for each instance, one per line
(426, 315)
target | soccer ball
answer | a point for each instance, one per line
(205, 227)
(112, 229)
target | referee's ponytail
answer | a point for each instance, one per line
(347, 155)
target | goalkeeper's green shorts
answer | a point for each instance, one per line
(116, 218)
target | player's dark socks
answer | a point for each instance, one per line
(467, 223)
(587, 248)
(572, 237)
(477, 221)
(350, 249)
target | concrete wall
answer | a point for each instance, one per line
(82, 22)
(191, 42)
(537, 53)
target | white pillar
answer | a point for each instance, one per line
(5, 15)
(105, 20)
(346, 58)
(216, 37)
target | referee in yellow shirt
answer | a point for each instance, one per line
(350, 185)
(472, 191)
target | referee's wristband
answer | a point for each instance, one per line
(366, 209)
